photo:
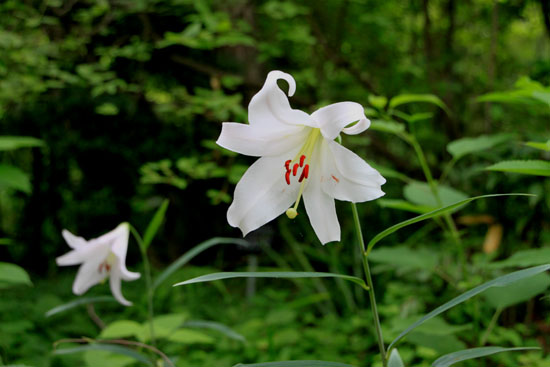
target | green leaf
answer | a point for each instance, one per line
(544, 97)
(405, 257)
(11, 274)
(6, 242)
(432, 214)
(518, 292)
(78, 302)
(391, 127)
(403, 205)
(523, 258)
(14, 178)
(419, 193)
(395, 359)
(154, 225)
(497, 282)
(272, 274)
(121, 329)
(377, 101)
(189, 255)
(184, 336)
(227, 331)
(467, 354)
(16, 142)
(462, 147)
(413, 98)
(539, 145)
(106, 347)
(534, 167)
(107, 109)
(295, 364)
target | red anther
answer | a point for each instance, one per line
(305, 172)
(295, 169)
(335, 178)
(302, 159)
(287, 165)
(287, 177)
(107, 267)
(302, 176)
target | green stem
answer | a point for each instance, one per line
(491, 326)
(148, 283)
(368, 278)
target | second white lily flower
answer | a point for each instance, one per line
(298, 157)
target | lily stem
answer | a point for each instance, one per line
(368, 278)
(148, 283)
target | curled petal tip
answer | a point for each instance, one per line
(275, 75)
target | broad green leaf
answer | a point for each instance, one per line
(405, 257)
(377, 101)
(186, 336)
(121, 329)
(523, 258)
(94, 358)
(11, 274)
(544, 97)
(539, 145)
(391, 127)
(403, 205)
(419, 193)
(467, 354)
(154, 225)
(432, 214)
(164, 326)
(497, 282)
(534, 167)
(395, 359)
(414, 98)
(295, 364)
(271, 274)
(462, 147)
(14, 178)
(78, 302)
(518, 292)
(185, 258)
(16, 142)
(227, 331)
(119, 349)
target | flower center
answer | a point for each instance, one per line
(301, 164)
(106, 265)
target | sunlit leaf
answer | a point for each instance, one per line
(467, 354)
(497, 282)
(121, 329)
(11, 274)
(518, 292)
(16, 142)
(462, 147)
(539, 145)
(420, 193)
(14, 178)
(395, 359)
(119, 349)
(415, 98)
(404, 205)
(534, 167)
(391, 127)
(271, 274)
(78, 302)
(524, 258)
(432, 214)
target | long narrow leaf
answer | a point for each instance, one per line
(497, 282)
(185, 258)
(118, 349)
(432, 214)
(77, 302)
(154, 225)
(395, 359)
(295, 364)
(271, 274)
(464, 355)
(227, 331)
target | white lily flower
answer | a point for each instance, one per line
(298, 157)
(100, 257)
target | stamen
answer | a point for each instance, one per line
(306, 171)
(302, 159)
(287, 165)
(295, 169)
(287, 177)
(303, 175)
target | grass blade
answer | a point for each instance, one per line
(464, 355)
(77, 302)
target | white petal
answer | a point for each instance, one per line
(91, 249)
(72, 240)
(346, 176)
(262, 194)
(114, 282)
(334, 118)
(320, 206)
(269, 109)
(73, 257)
(118, 239)
(254, 141)
(89, 274)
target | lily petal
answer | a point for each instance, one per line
(320, 207)
(262, 194)
(334, 118)
(89, 273)
(114, 283)
(72, 240)
(270, 109)
(248, 140)
(347, 176)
